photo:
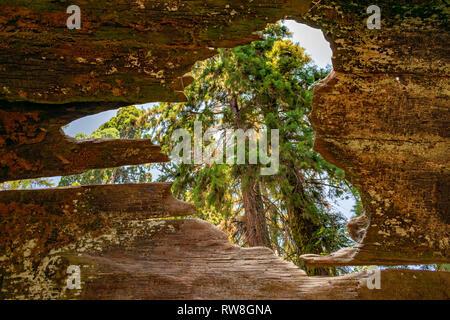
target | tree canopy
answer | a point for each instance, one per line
(263, 85)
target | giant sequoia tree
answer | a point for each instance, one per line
(264, 85)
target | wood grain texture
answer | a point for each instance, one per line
(383, 116)
(128, 51)
(191, 259)
(34, 223)
(32, 143)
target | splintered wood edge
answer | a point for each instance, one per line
(363, 255)
(192, 259)
(150, 200)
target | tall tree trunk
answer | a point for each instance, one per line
(302, 228)
(257, 233)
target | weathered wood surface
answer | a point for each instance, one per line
(383, 116)
(191, 259)
(34, 223)
(129, 51)
(32, 143)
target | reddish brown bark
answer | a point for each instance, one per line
(257, 233)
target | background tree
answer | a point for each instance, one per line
(264, 85)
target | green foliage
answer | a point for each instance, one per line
(26, 184)
(125, 125)
(265, 84)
